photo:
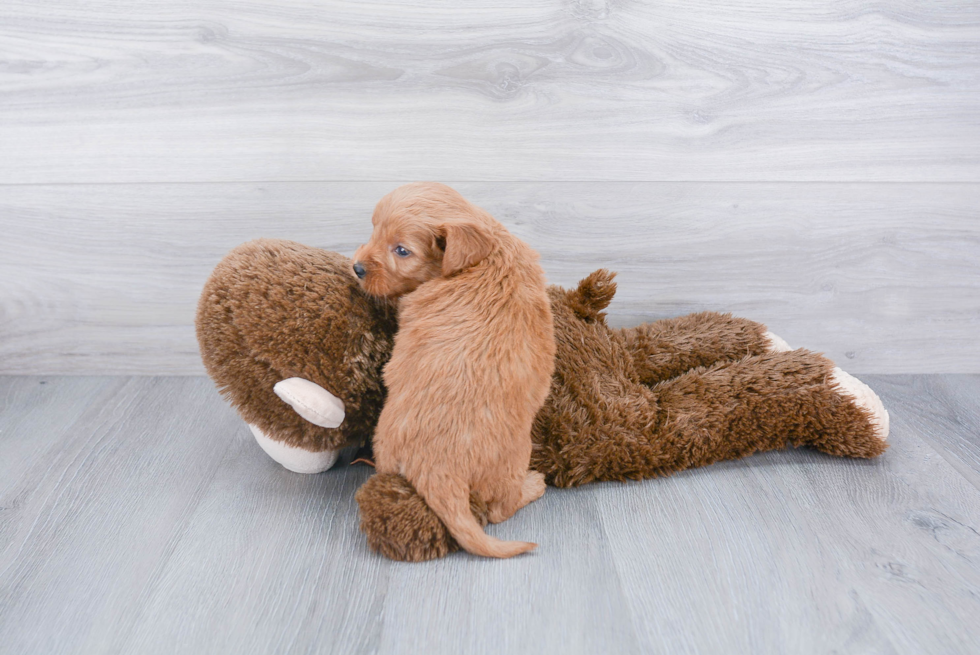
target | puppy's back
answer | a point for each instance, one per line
(482, 339)
(471, 366)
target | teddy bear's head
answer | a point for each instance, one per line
(273, 310)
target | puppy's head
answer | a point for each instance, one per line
(421, 231)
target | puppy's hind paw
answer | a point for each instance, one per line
(534, 487)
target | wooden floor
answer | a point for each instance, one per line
(137, 516)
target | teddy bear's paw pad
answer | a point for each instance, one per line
(776, 343)
(311, 401)
(862, 395)
(294, 459)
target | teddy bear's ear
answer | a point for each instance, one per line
(593, 294)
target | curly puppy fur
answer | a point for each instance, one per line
(648, 401)
(323, 328)
(472, 359)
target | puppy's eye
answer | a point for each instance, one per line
(401, 251)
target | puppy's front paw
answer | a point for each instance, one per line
(294, 459)
(311, 401)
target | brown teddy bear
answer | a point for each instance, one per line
(298, 349)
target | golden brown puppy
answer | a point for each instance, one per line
(472, 359)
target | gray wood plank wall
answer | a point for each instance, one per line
(812, 165)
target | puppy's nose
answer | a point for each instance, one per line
(359, 270)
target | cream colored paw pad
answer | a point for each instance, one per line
(294, 459)
(863, 396)
(777, 344)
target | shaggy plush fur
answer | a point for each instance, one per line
(272, 310)
(651, 400)
(624, 404)
(472, 359)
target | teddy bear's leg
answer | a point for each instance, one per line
(664, 349)
(763, 402)
(862, 395)
(731, 410)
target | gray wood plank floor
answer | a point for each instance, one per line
(137, 516)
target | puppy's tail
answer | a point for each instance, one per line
(452, 506)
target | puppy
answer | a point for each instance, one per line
(472, 359)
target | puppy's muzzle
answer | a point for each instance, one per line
(359, 270)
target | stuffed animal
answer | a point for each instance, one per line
(298, 349)
(278, 323)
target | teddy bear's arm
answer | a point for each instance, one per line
(667, 348)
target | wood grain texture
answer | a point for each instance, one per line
(115, 91)
(809, 554)
(94, 510)
(137, 516)
(882, 277)
(945, 413)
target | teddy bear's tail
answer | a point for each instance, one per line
(451, 503)
(592, 295)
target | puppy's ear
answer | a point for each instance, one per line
(466, 243)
